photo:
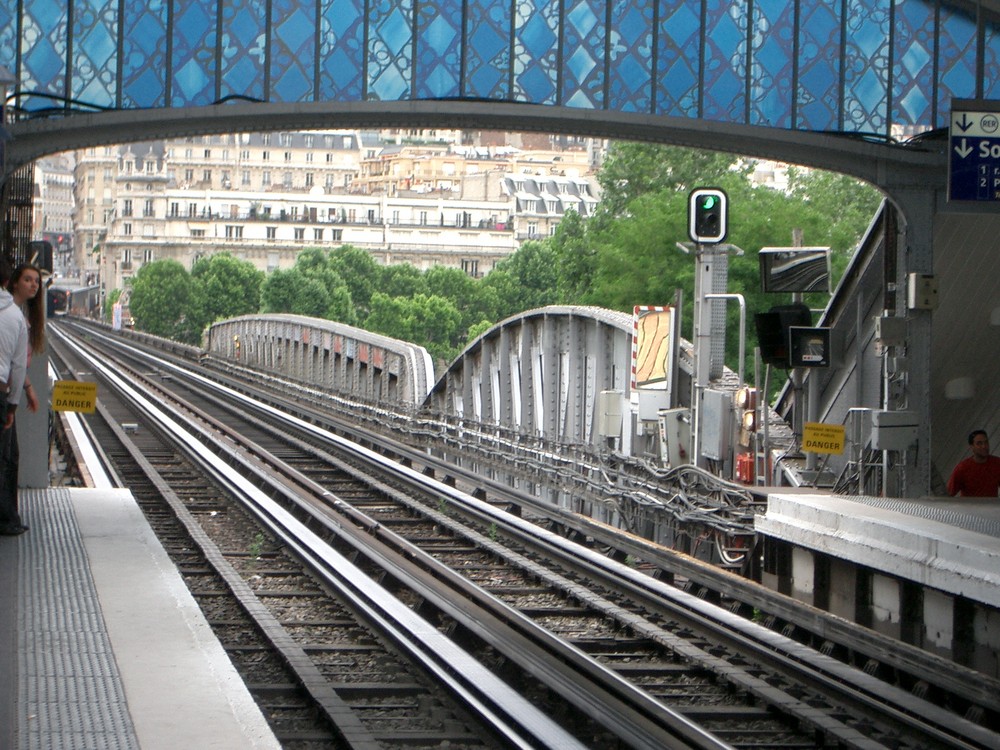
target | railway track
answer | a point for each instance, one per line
(609, 654)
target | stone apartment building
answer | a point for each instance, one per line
(264, 197)
(53, 206)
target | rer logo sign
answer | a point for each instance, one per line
(974, 153)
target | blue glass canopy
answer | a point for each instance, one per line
(861, 66)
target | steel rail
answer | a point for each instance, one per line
(602, 694)
(626, 710)
(766, 642)
(962, 682)
(767, 645)
(718, 506)
(833, 674)
(509, 714)
(336, 709)
(965, 684)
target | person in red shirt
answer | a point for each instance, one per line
(979, 474)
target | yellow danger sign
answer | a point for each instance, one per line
(823, 438)
(74, 395)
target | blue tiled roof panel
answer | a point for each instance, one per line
(864, 66)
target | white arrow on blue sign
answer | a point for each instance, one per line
(974, 156)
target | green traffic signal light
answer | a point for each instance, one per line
(708, 219)
(707, 215)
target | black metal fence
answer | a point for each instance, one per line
(16, 204)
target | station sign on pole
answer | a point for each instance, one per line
(974, 151)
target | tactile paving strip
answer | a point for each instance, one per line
(70, 693)
(980, 524)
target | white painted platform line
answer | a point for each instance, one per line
(179, 687)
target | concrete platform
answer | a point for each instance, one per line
(924, 571)
(950, 544)
(101, 644)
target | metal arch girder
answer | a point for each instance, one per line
(409, 363)
(889, 167)
(547, 332)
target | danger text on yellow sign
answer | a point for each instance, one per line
(823, 438)
(74, 395)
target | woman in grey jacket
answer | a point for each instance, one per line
(13, 366)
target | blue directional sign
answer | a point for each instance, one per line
(974, 156)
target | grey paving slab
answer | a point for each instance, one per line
(102, 646)
(69, 692)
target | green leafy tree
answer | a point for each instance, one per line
(279, 290)
(633, 169)
(317, 264)
(341, 307)
(636, 260)
(576, 257)
(525, 280)
(477, 330)
(401, 280)
(293, 292)
(225, 287)
(474, 301)
(312, 298)
(161, 301)
(452, 283)
(432, 321)
(360, 272)
(312, 261)
(857, 201)
(312, 287)
(847, 204)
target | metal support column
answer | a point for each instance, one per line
(915, 242)
(711, 278)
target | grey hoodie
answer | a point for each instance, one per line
(13, 347)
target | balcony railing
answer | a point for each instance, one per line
(287, 218)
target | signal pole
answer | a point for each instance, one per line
(707, 227)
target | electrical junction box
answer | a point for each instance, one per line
(675, 436)
(921, 291)
(610, 406)
(894, 430)
(715, 424)
(890, 331)
(651, 403)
